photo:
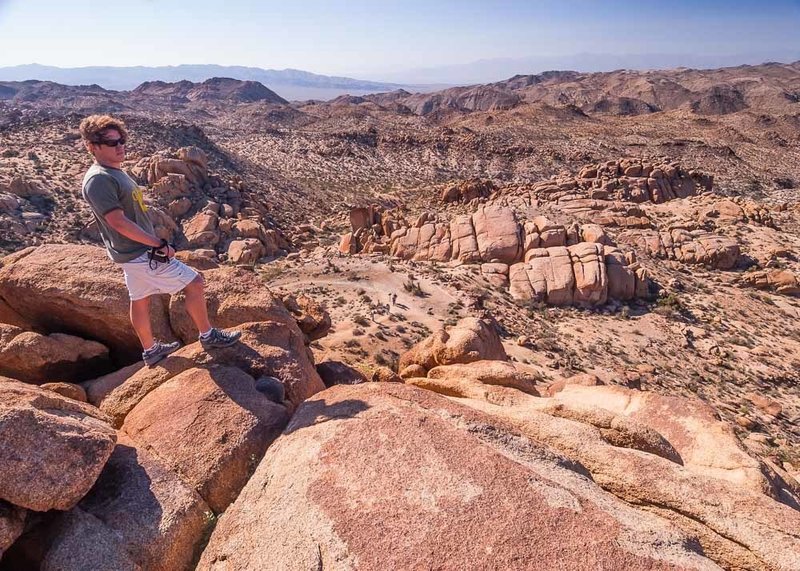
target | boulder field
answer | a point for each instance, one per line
(241, 458)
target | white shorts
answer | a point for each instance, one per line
(144, 281)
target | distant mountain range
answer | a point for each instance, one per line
(291, 84)
(497, 69)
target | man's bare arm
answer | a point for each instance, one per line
(119, 222)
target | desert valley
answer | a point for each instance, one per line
(548, 322)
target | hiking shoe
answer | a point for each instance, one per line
(219, 338)
(158, 352)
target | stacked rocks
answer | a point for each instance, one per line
(538, 259)
(201, 211)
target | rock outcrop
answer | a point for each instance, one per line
(670, 455)
(537, 259)
(784, 282)
(444, 486)
(469, 340)
(687, 246)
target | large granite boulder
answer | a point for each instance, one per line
(34, 358)
(267, 348)
(51, 448)
(439, 486)
(471, 339)
(235, 424)
(76, 290)
(497, 234)
(139, 515)
(670, 455)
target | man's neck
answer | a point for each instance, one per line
(109, 165)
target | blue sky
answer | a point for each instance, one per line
(367, 37)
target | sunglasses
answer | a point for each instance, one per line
(111, 142)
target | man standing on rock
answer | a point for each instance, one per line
(147, 262)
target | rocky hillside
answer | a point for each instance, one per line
(564, 302)
(242, 459)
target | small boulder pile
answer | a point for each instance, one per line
(628, 180)
(201, 211)
(21, 202)
(468, 191)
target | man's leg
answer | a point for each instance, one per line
(140, 318)
(196, 304)
(210, 338)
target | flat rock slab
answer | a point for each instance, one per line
(387, 476)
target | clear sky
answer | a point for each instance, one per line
(359, 37)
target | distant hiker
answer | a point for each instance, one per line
(147, 261)
(394, 298)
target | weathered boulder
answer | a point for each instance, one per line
(621, 275)
(312, 318)
(139, 515)
(426, 494)
(76, 290)
(25, 188)
(173, 186)
(202, 259)
(547, 275)
(462, 235)
(68, 390)
(233, 296)
(51, 448)
(339, 373)
(79, 541)
(784, 282)
(589, 267)
(34, 358)
(201, 230)
(502, 373)
(245, 252)
(470, 340)
(97, 389)
(497, 234)
(688, 246)
(431, 241)
(267, 348)
(665, 453)
(221, 403)
(12, 522)
(468, 190)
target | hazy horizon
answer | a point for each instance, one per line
(401, 42)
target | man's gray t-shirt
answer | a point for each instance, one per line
(106, 189)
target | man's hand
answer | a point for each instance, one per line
(167, 251)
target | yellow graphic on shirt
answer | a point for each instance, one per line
(139, 198)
